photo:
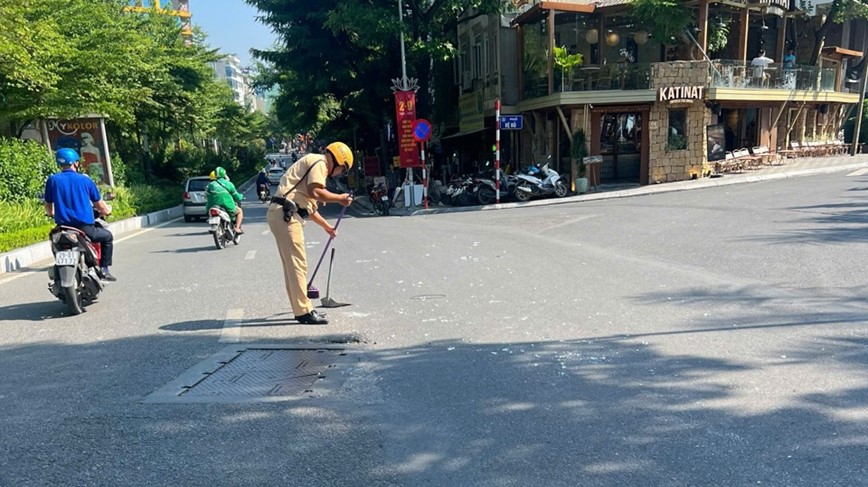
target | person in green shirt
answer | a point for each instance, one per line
(221, 192)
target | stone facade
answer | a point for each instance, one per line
(677, 165)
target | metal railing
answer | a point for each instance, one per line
(615, 76)
(775, 76)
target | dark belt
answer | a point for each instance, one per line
(282, 201)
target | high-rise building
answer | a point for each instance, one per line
(238, 78)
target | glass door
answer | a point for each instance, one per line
(621, 147)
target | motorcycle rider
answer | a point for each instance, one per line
(296, 198)
(221, 192)
(262, 180)
(70, 198)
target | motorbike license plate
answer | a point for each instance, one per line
(384, 198)
(67, 257)
(214, 220)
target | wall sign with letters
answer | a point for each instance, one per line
(680, 94)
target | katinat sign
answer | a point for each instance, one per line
(772, 7)
(679, 94)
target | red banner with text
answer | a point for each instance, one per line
(405, 111)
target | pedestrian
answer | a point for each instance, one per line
(300, 189)
(70, 198)
(790, 59)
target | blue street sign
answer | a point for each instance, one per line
(511, 122)
(421, 130)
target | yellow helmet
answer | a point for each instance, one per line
(213, 176)
(342, 154)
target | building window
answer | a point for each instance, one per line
(677, 139)
(477, 57)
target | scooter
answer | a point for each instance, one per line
(222, 228)
(379, 197)
(264, 193)
(76, 278)
(540, 182)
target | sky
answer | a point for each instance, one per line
(232, 27)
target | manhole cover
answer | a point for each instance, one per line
(255, 373)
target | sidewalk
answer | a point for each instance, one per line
(803, 166)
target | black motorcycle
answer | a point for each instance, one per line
(264, 193)
(76, 278)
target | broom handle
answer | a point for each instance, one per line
(341, 215)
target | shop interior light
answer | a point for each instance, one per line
(592, 36)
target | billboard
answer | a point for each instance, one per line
(87, 137)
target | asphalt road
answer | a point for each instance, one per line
(711, 337)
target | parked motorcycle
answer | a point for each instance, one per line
(76, 278)
(379, 197)
(540, 182)
(222, 228)
(487, 192)
(264, 193)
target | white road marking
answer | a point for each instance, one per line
(859, 172)
(231, 332)
(266, 232)
(146, 230)
(19, 274)
(251, 254)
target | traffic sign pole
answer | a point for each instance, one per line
(424, 177)
(497, 151)
(421, 132)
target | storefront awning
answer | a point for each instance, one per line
(839, 53)
(462, 134)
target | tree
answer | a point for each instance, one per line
(334, 59)
(838, 12)
(55, 61)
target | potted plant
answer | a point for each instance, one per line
(567, 62)
(578, 151)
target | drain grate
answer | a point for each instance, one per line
(256, 373)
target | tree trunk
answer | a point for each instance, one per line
(820, 34)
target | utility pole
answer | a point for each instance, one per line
(859, 109)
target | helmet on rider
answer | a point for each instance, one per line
(213, 176)
(66, 157)
(221, 173)
(262, 171)
(342, 154)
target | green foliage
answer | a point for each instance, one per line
(334, 60)
(718, 33)
(23, 238)
(579, 150)
(667, 19)
(17, 216)
(850, 127)
(24, 167)
(676, 142)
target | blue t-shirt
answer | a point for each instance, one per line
(72, 195)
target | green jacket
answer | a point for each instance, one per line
(222, 193)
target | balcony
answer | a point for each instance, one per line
(741, 75)
(732, 81)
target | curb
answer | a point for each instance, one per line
(644, 190)
(25, 257)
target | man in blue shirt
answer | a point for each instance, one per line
(70, 198)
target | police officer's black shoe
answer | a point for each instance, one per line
(312, 318)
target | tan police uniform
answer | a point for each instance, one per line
(290, 235)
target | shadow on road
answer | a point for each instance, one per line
(592, 411)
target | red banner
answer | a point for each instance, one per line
(405, 111)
